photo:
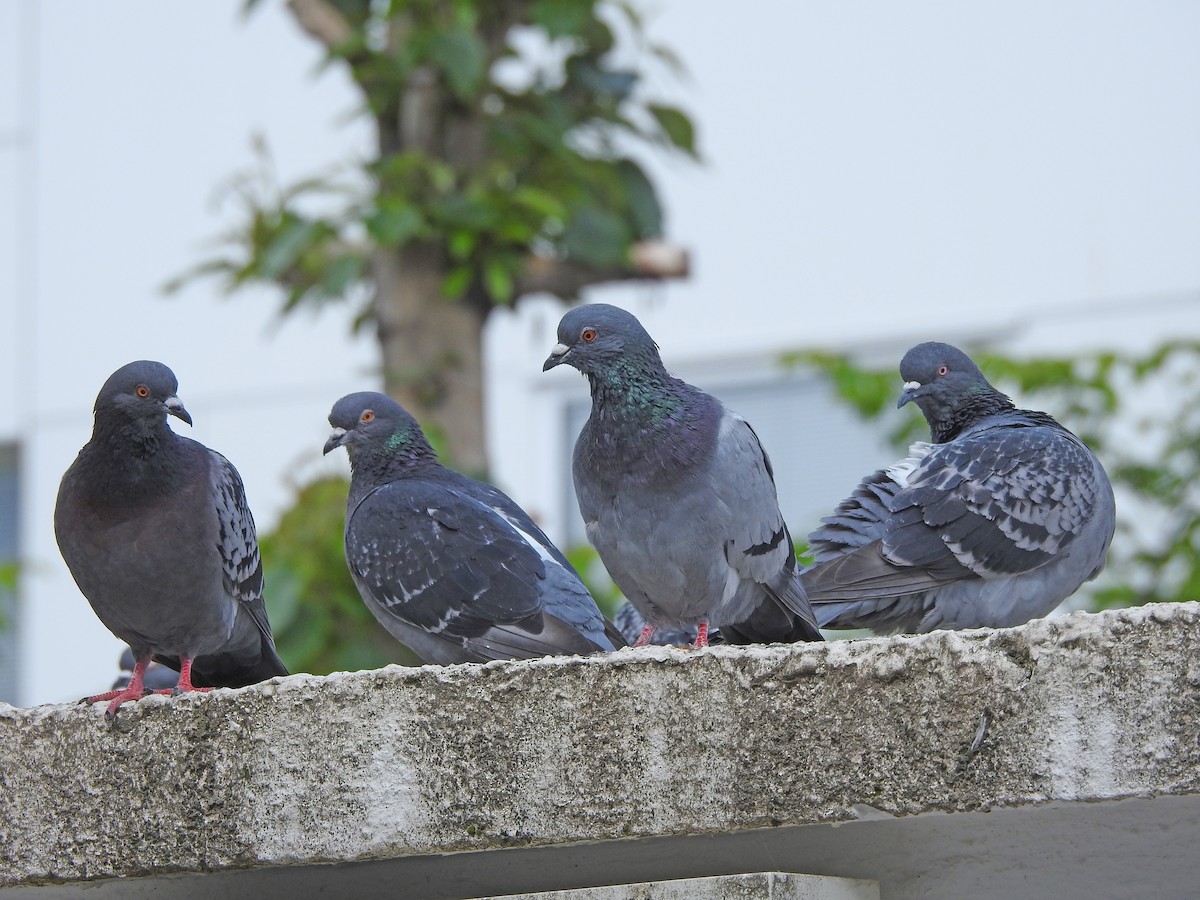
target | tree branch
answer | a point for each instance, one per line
(320, 20)
(650, 260)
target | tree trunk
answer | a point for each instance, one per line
(432, 349)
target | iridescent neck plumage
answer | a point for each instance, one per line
(637, 389)
(402, 453)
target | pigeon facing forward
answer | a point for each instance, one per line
(995, 523)
(677, 493)
(450, 566)
(157, 534)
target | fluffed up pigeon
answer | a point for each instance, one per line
(995, 523)
(676, 492)
(450, 566)
(157, 534)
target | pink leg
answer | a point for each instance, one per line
(701, 635)
(645, 637)
(185, 680)
(133, 691)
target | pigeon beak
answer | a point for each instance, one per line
(557, 357)
(175, 408)
(909, 394)
(337, 439)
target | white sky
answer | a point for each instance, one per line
(874, 173)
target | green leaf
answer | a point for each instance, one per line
(643, 201)
(677, 127)
(456, 283)
(462, 57)
(541, 202)
(498, 281)
(285, 248)
(394, 223)
(463, 211)
(597, 237)
(462, 243)
(562, 18)
(341, 274)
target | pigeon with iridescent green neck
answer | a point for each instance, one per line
(677, 493)
(451, 566)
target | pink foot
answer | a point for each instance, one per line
(645, 637)
(701, 636)
(184, 684)
(133, 691)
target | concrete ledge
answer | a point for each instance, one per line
(752, 886)
(650, 745)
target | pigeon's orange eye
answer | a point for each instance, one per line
(943, 369)
(367, 416)
(143, 391)
(588, 335)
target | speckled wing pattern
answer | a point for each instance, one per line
(237, 541)
(998, 501)
(440, 560)
(1002, 500)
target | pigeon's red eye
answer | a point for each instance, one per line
(943, 369)
(588, 335)
(143, 391)
(367, 416)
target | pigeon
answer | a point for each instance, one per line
(155, 530)
(676, 492)
(1004, 515)
(451, 566)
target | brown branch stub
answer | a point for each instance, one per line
(320, 20)
(649, 260)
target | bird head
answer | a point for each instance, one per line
(594, 337)
(369, 421)
(939, 378)
(144, 391)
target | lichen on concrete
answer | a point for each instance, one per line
(639, 743)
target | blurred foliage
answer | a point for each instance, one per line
(504, 131)
(319, 621)
(1141, 414)
(595, 578)
(8, 587)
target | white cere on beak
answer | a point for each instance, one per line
(911, 385)
(559, 349)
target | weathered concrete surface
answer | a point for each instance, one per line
(655, 744)
(751, 886)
